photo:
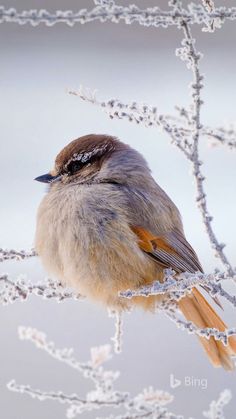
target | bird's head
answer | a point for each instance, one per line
(95, 159)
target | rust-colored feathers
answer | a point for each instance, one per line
(173, 251)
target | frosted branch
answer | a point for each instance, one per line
(150, 403)
(206, 333)
(11, 254)
(141, 114)
(175, 287)
(221, 136)
(216, 407)
(182, 284)
(108, 10)
(189, 54)
(20, 289)
(117, 339)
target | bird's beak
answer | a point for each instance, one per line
(48, 178)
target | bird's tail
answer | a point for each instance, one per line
(195, 308)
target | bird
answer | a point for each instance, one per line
(105, 226)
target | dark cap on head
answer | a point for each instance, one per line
(87, 149)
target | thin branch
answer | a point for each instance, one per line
(150, 403)
(108, 10)
(221, 136)
(216, 409)
(11, 254)
(182, 284)
(189, 54)
(117, 339)
(141, 114)
(20, 289)
(174, 287)
(206, 332)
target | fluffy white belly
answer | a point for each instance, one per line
(88, 245)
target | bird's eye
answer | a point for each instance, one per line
(73, 167)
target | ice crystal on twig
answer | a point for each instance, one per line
(217, 406)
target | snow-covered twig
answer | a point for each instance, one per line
(175, 287)
(216, 409)
(223, 136)
(140, 113)
(11, 254)
(188, 53)
(21, 289)
(150, 403)
(182, 284)
(108, 10)
(206, 332)
(117, 339)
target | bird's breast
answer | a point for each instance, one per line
(84, 239)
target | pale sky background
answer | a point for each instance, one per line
(38, 66)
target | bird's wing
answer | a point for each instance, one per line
(170, 250)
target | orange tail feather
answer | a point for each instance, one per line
(195, 308)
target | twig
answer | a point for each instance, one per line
(216, 407)
(21, 289)
(108, 10)
(12, 254)
(189, 53)
(117, 339)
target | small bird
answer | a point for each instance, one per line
(105, 226)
